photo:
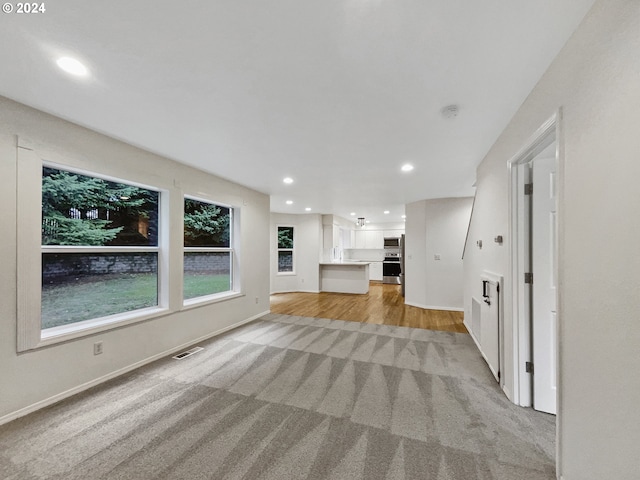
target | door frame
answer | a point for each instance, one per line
(548, 132)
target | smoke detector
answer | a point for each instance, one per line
(450, 111)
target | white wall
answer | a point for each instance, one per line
(435, 227)
(596, 81)
(307, 253)
(36, 377)
(339, 221)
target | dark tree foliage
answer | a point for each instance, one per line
(205, 224)
(82, 210)
(285, 237)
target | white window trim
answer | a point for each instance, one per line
(235, 290)
(95, 325)
(30, 334)
(209, 299)
(292, 250)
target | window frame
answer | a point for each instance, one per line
(292, 250)
(30, 334)
(234, 283)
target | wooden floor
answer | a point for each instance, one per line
(382, 305)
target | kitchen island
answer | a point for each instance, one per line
(344, 277)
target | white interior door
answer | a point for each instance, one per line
(544, 261)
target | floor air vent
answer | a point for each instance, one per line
(188, 353)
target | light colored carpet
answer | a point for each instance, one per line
(292, 398)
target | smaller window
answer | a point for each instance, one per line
(208, 252)
(285, 250)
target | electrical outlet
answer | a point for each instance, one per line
(256, 300)
(436, 256)
(97, 348)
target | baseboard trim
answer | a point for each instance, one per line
(85, 386)
(294, 291)
(434, 307)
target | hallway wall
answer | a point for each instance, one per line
(595, 80)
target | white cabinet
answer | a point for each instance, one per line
(337, 237)
(370, 239)
(393, 233)
(346, 237)
(375, 271)
(374, 239)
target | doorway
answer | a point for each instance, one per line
(534, 220)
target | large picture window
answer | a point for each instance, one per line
(285, 250)
(208, 249)
(99, 248)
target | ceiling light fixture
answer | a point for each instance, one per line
(287, 180)
(361, 222)
(353, 214)
(72, 66)
(289, 202)
(404, 216)
(308, 209)
(386, 212)
(407, 167)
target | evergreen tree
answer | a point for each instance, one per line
(285, 237)
(205, 224)
(82, 210)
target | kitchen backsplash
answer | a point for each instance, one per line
(372, 255)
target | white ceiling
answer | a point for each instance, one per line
(335, 94)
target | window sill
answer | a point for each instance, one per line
(210, 299)
(63, 333)
(285, 274)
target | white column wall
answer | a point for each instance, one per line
(436, 227)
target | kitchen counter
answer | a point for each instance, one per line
(347, 262)
(344, 277)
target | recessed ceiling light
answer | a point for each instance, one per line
(287, 180)
(407, 167)
(367, 221)
(353, 214)
(289, 202)
(404, 216)
(386, 212)
(72, 66)
(308, 209)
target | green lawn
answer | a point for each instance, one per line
(196, 285)
(96, 297)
